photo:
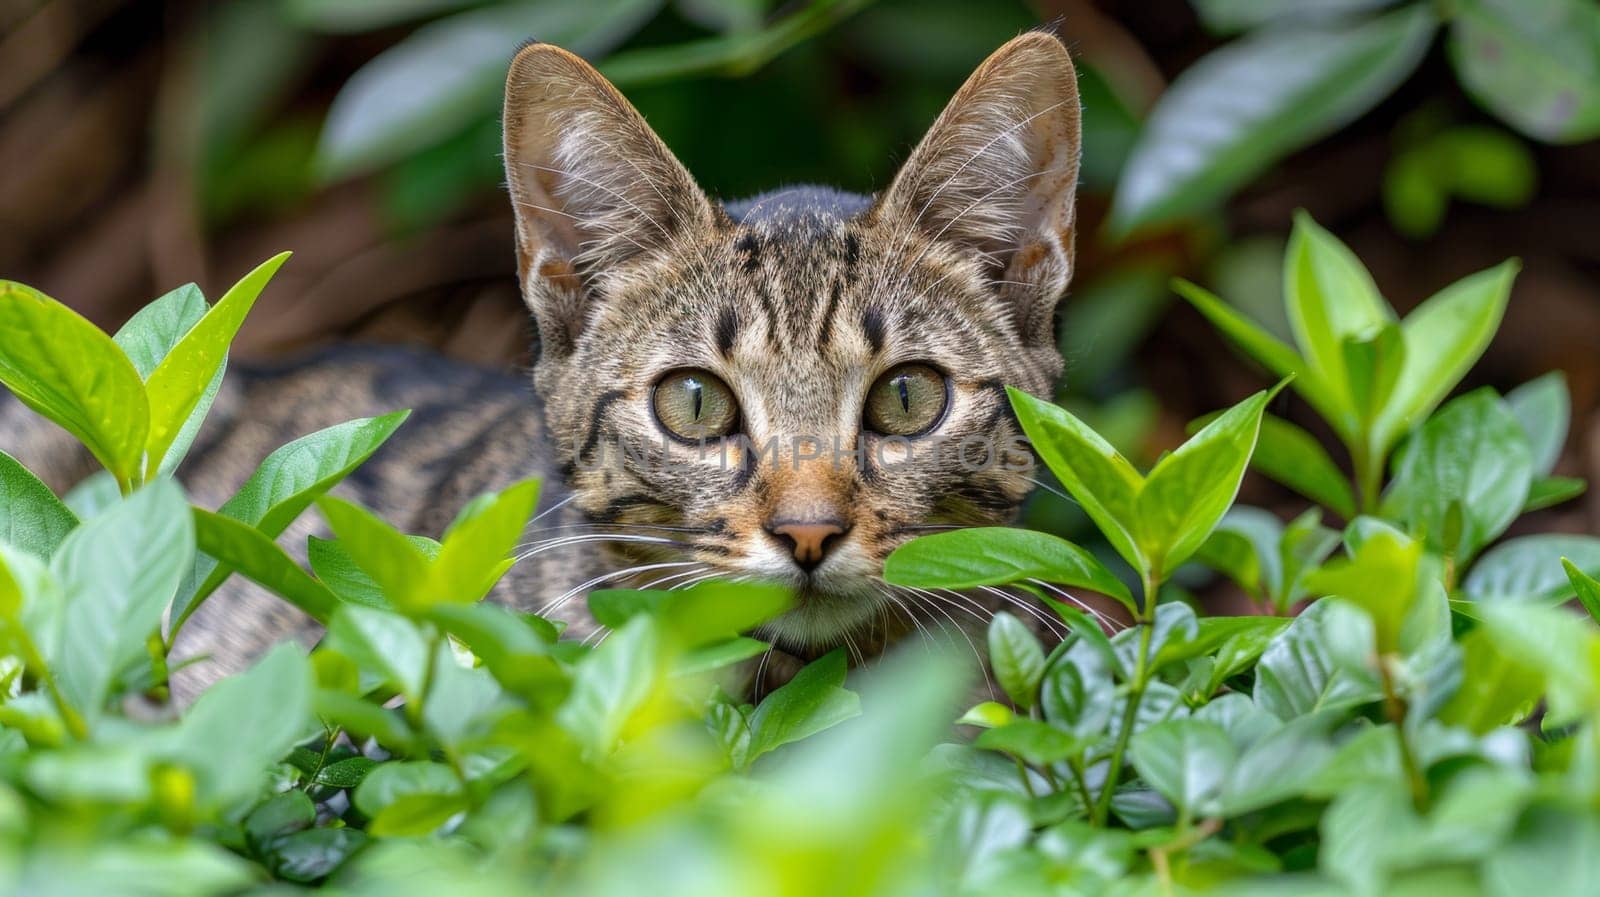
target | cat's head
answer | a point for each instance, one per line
(793, 394)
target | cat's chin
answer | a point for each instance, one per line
(823, 615)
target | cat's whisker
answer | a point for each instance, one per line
(550, 510)
(1045, 620)
(658, 583)
(563, 598)
(928, 600)
(1105, 620)
(564, 541)
(1051, 489)
(696, 580)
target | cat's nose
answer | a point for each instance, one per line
(808, 540)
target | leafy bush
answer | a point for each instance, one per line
(1431, 720)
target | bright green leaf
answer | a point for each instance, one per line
(149, 336)
(31, 517)
(990, 556)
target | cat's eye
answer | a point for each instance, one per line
(908, 400)
(694, 405)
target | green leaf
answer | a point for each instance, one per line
(340, 573)
(1076, 699)
(1017, 658)
(1471, 456)
(474, 550)
(460, 699)
(515, 651)
(1444, 337)
(1536, 68)
(1184, 759)
(1547, 492)
(393, 781)
(346, 17)
(1031, 741)
(384, 643)
(247, 550)
(1187, 493)
(290, 479)
(118, 573)
(814, 700)
(1543, 407)
(988, 556)
(184, 377)
(1293, 457)
(65, 368)
(1331, 301)
(1586, 586)
(1551, 851)
(278, 815)
(987, 715)
(1529, 568)
(386, 555)
(721, 654)
(314, 854)
(1559, 647)
(31, 517)
(1079, 457)
(446, 75)
(610, 684)
(1280, 765)
(346, 773)
(1305, 668)
(1243, 107)
(1233, 16)
(1495, 689)
(149, 336)
(415, 815)
(245, 723)
(1381, 578)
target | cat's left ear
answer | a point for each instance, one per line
(997, 175)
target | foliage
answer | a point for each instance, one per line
(1303, 70)
(1429, 720)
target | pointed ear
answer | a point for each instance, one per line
(592, 187)
(997, 174)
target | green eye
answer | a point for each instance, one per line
(906, 401)
(694, 405)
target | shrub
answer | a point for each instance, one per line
(1430, 720)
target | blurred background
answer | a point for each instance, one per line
(143, 145)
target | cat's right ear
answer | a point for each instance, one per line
(592, 187)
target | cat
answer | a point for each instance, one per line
(781, 389)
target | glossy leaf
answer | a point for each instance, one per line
(1293, 457)
(1529, 568)
(31, 517)
(150, 335)
(1184, 759)
(1544, 408)
(475, 549)
(1030, 741)
(185, 375)
(1496, 690)
(247, 550)
(1017, 658)
(385, 643)
(814, 700)
(989, 556)
(1586, 587)
(1303, 669)
(68, 370)
(392, 560)
(1243, 107)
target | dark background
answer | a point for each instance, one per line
(143, 145)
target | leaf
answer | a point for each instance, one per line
(718, 655)
(344, 16)
(473, 554)
(1587, 588)
(610, 684)
(1537, 70)
(1547, 492)
(247, 550)
(1302, 670)
(392, 560)
(65, 368)
(290, 479)
(1331, 300)
(1293, 457)
(245, 723)
(987, 715)
(1444, 337)
(1187, 493)
(149, 336)
(1472, 456)
(314, 854)
(1233, 16)
(391, 782)
(1280, 765)
(460, 698)
(1031, 741)
(814, 700)
(118, 573)
(341, 574)
(1017, 658)
(1184, 759)
(415, 815)
(1550, 852)
(1544, 409)
(449, 73)
(1529, 568)
(1243, 107)
(346, 773)
(278, 815)
(1076, 700)
(1079, 457)
(1495, 689)
(1381, 578)
(988, 556)
(515, 651)
(31, 517)
(1556, 645)
(384, 643)
(183, 378)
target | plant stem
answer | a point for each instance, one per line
(1395, 710)
(1141, 675)
(1369, 477)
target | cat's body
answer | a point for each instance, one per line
(759, 390)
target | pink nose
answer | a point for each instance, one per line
(808, 540)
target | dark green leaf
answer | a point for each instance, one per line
(1030, 740)
(314, 854)
(1232, 16)
(988, 556)
(1304, 669)
(1017, 658)
(814, 700)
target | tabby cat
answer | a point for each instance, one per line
(783, 389)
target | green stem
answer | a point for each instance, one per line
(1141, 679)
(1395, 710)
(1369, 477)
